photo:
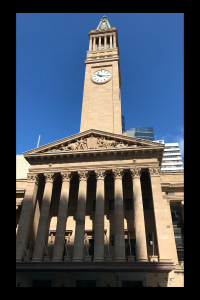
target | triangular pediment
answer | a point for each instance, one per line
(92, 139)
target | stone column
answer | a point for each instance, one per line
(182, 210)
(27, 214)
(80, 217)
(141, 245)
(119, 216)
(105, 42)
(114, 40)
(99, 216)
(111, 41)
(90, 44)
(62, 217)
(159, 213)
(99, 42)
(94, 43)
(44, 217)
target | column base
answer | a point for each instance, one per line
(120, 259)
(142, 259)
(153, 258)
(77, 259)
(98, 259)
(18, 260)
(67, 258)
(56, 259)
(36, 259)
(131, 258)
(88, 258)
(165, 259)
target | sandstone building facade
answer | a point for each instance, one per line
(95, 210)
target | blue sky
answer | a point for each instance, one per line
(50, 69)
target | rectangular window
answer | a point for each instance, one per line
(170, 193)
(180, 255)
(111, 204)
(146, 204)
(129, 204)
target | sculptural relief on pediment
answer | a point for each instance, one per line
(91, 142)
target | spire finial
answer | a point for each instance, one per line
(104, 24)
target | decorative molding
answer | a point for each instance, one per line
(33, 178)
(49, 177)
(135, 172)
(66, 176)
(100, 174)
(118, 173)
(154, 171)
(83, 175)
(90, 142)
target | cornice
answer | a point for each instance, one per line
(95, 155)
(101, 59)
(20, 191)
(174, 198)
(172, 185)
(102, 31)
(96, 266)
(90, 168)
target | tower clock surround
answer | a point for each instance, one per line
(101, 76)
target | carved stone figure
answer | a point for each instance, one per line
(82, 144)
(90, 143)
(73, 146)
(62, 148)
(110, 143)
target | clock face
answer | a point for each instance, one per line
(101, 76)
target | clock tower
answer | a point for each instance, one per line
(101, 108)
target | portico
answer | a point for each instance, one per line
(95, 155)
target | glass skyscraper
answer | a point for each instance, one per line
(145, 133)
(123, 123)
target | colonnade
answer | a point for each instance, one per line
(96, 41)
(27, 215)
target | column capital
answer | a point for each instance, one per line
(135, 172)
(100, 174)
(118, 173)
(49, 177)
(154, 171)
(83, 175)
(33, 177)
(66, 176)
